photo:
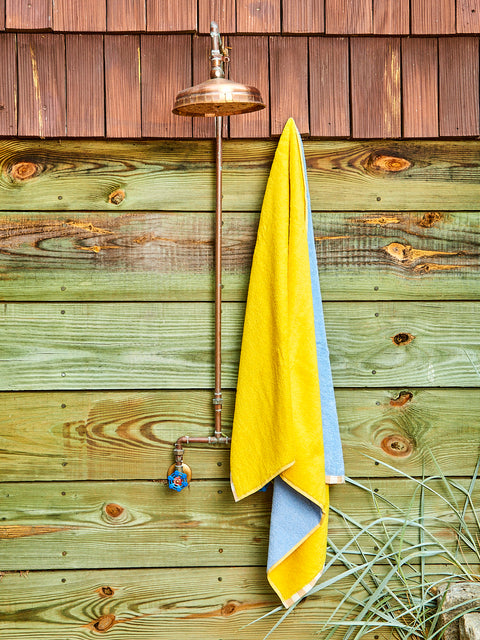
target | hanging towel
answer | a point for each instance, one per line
(284, 389)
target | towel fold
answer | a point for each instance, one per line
(284, 388)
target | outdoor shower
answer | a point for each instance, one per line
(216, 97)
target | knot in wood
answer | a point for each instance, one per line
(104, 623)
(388, 163)
(117, 196)
(115, 513)
(430, 218)
(398, 251)
(105, 592)
(402, 338)
(402, 399)
(230, 608)
(397, 446)
(22, 171)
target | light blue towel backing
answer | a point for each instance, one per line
(294, 516)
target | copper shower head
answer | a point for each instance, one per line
(217, 96)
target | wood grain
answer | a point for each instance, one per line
(154, 255)
(383, 176)
(118, 435)
(376, 88)
(468, 16)
(167, 16)
(8, 85)
(122, 86)
(91, 525)
(204, 603)
(2, 16)
(288, 83)
(169, 345)
(85, 85)
(420, 87)
(432, 17)
(25, 14)
(79, 15)
(248, 56)
(459, 86)
(391, 17)
(221, 11)
(41, 85)
(166, 70)
(126, 15)
(329, 87)
(350, 17)
(303, 17)
(258, 16)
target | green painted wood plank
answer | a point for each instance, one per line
(162, 604)
(129, 435)
(169, 255)
(170, 345)
(178, 175)
(144, 524)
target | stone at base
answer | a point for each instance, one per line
(470, 626)
(457, 598)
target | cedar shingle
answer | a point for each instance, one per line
(166, 70)
(41, 85)
(376, 97)
(458, 86)
(420, 87)
(122, 86)
(125, 15)
(85, 85)
(288, 83)
(8, 85)
(329, 87)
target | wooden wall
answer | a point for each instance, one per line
(106, 341)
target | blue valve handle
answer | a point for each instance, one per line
(177, 480)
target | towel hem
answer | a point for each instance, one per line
(335, 479)
(260, 486)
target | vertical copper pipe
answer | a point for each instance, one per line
(217, 400)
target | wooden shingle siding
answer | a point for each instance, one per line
(85, 85)
(391, 17)
(126, 15)
(122, 86)
(420, 87)
(366, 93)
(348, 17)
(166, 69)
(222, 11)
(41, 85)
(258, 16)
(459, 86)
(329, 87)
(288, 83)
(28, 15)
(168, 16)
(87, 15)
(376, 89)
(433, 17)
(305, 17)
(468, 16)
(8, 88)
(248, 66)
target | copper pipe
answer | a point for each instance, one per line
(217, 398)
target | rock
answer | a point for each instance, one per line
(470, 626)
(454, 599)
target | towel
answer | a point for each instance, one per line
(284, 388)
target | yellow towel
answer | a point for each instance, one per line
(277, 426)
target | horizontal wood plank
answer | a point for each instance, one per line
(170, 345)
(152, 256)
(173, 175)
(144, 524)
(157, 603)
(129, 435)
